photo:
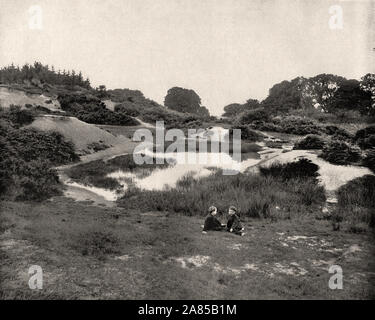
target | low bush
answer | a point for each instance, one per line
(296, 125)
(365, 137)
(341, 153)
(97, 146)
(97, 243)
(265, 126)
(338, 133)
(26, 160)
(32, 144)
(128, 108)
(358, 192)
(92, 110)
(356, 201)
(258, 114)
(35, 181)
(171, 119)
(246, 133)
(369, 160)
(303, 168)
(16, 115)
(310, 142)
(287, 124)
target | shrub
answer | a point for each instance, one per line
(365, 137)
(128, 108)
(171, 119)
(35, 181)
(341, 153)
(258, 114)
(97, 146)
(338, 133)
(274, 144)
(296, 125)
(356, 201)
(310, 142)
(265, 126)
(19, 117)
(32, 144)
(287, 124)
(97, 243)
(26, 160)
(246, 133)
(303, 168)
(359, 192)
(368, 142)
(369, 160)
(92, 110)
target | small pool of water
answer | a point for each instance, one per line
(202, 164)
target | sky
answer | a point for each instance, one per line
(226, 50)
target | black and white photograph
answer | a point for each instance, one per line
(187, 150)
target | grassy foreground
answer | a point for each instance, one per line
(112, 253)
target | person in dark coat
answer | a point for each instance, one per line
(234, 223)
(211, 222)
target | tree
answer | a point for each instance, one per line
(184, 100)
(285, 96)
(319, 91)
(232, 110)
(102, 88)
(367, 84)
(38, 73)
(235, 109)
(349, 96)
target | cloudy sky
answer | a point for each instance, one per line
(226, 50)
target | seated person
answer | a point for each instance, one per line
(211, 222)
(234, 224)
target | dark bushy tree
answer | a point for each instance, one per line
(350, 96)
(235, 109)
(184, 100)
(284, 96)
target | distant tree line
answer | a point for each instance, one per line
(326, 93)
(39, 73)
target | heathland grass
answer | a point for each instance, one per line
(279, 192)
(356, 203)
(89, 252)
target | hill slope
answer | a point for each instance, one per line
(82, 134)
(9, 96)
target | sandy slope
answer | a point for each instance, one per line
(19, 97)
(79, 132)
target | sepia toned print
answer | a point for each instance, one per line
(187, 150)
